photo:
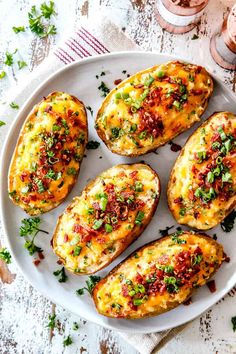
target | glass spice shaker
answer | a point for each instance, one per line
(179, 16)
(223, 44)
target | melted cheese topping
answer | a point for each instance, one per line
(111, 211)
(153, 106)
(216, 172)
(48, 153)
(109, 293)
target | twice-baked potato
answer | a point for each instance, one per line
(158, 277)
(112, 211)
(202, 185)
(152, 107)
(48, 154)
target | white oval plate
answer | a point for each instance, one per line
(79, 79)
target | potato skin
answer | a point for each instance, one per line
(116, 197)
(153, 106)
(202, 186)
(48, 153)
(114, 296)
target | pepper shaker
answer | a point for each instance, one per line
(179, 16)
(223, 43)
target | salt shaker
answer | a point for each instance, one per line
(223, 43)
(179, 16)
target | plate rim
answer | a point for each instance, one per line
(58, 72)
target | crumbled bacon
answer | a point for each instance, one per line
(117, 81)
(36, 262)
(150, 122)
(66, 238)
(125, 290)
(132, 306)
(41, 255)
(178, 200)
(211, 286)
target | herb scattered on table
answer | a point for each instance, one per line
(91, 282)
(30, 227)
(233, 321)
(90, 110)
(67, 341)
(36, 24)
(9, 58)
(92, 145)
(195, 36)
(75, 326)
(14, 105)
(61, 274)
(21, 64)
(5, 255)
(104, 89)
(51, 321)
(2, 74)
(228, 223)
(2, 123)
(18, 29)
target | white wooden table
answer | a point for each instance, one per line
(23, 311)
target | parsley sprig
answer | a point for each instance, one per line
(36, 24)
(228, 223)
(91, 282)
(5, 255)
(30, 227)
(61, 274)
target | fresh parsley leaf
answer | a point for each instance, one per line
(21, 64)
(48, 10)
(31, 247)
(2, 74)
(5, 255)
(51, 30)
(61, 274)
(71, 171)
(139, 218)
(75, 326)
(9, 58)
(92, 145)
(67, 341)
(228, 223)
(233, 321)
(52, 321)
(18, 29)
(14, 105)
(91, 282)
(29, 226)
(2, 123)
(104, 89)
(90, 110)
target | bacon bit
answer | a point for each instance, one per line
(36, 262)
(58, 146)
(178, 200)
(139, 278)
(163, 259)
(117, 81)
(188, 302)
(211, 286)
(59, 262)
(175, 147)
(125, 290)
(226, 258)
(23, 176)
(132, 306)
(197, 92)
(66, 238)
(191, 195)
(138, 86)
(69, 112)
(41, 255)
(25, 200)
(194, 169)
(198, 251)
(150, 122)
(133, 175)
(199, 69)
(139, 204)
(100, 240)
(196, 214)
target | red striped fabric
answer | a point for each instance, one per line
(82, 44)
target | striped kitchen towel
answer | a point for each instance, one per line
(91, 39)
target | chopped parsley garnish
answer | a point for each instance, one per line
(9, 58)
(116, 132)
(197, 259)
(171, 283)
(36, 25)
(2, 123)
(91, 282)
(21, 64)
(176, 239)
(75, 326)
(71, 171)
(61, 274)
(67, 341)
(2, 74)
(139, 218)
(182, 211)
(90, 110)
(138, 186)
(51, 321)
(92, 145)
(5, 255)
(28, 227)
(228, 223)
(14, 105)
(53, 175)
(233, 321)
(201, 156)
(205, 195)
(18, 29)
(165, 232)
(104, 89)
(195, 36)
